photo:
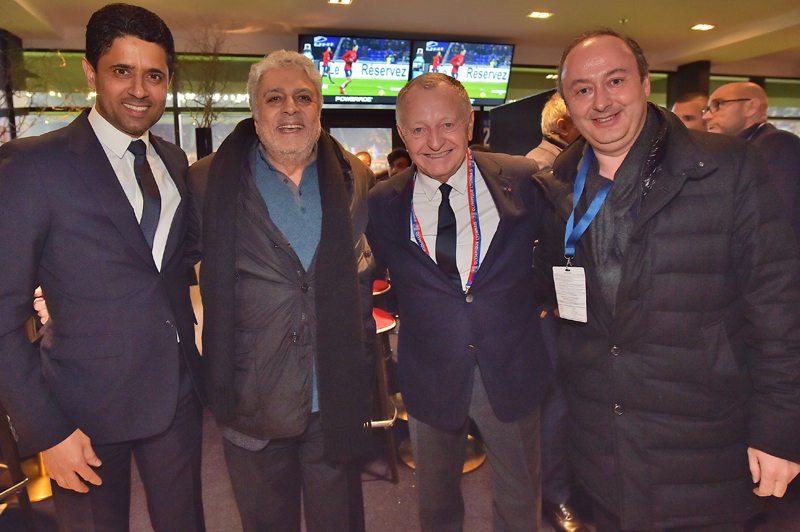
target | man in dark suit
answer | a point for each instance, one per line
(741, 109)
(457, 232)
(94, 213)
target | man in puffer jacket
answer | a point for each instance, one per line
(683, 353)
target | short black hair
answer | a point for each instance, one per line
(124, 20)
(688, 97)
(638, 53)
(398, 153)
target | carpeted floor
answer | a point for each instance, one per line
(388, 507)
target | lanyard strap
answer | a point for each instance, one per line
(473, 217)
(756, 130)
(575, 232)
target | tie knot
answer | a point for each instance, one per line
(138, 148)
(445, 190)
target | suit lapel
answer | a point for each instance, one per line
(500, 189)
(91, 164)
(178, 177)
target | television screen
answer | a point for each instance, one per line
(359, 70)
(483, 69)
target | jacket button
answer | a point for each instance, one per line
(367, 253)
(295, 337)
(304, 288)
(169, 323)
(470, 298)
(618, 410)
(614, 350)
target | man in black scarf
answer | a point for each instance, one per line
(286, 282)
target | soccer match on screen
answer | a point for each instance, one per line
(359, 70)
(483, 69)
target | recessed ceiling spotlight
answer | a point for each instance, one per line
(540, 14)
(343, 2)
(703, 27)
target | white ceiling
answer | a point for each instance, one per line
(760, 38)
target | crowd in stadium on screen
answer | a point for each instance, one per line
(376, 49)
(493, 55)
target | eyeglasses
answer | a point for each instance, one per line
(446, 128)
(713, 105)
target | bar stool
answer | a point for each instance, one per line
(18, 478)
(475, 454)
(385, 322)
(379, 289)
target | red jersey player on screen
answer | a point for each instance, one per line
(349, 58)
(457, 61)
(326, 67)
(437, 60)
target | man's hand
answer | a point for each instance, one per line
(70, 458)
(39, 305)
(771, 473)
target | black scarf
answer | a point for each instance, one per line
(343, 384)
(608, 235)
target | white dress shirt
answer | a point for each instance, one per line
(426, 201)
(115, 143)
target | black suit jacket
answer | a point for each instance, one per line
(108, 362)
(446, 332)
(781, 150)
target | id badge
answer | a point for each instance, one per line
(571, 292)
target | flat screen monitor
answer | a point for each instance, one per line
(359, 70)
(482, 68)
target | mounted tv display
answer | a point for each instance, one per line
(358, 70)
(483, 69)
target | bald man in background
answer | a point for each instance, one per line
(689, 109)
(741, 109)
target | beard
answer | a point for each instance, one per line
(295, 151)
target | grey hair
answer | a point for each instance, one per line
(281, 58)
(553, 110)
(432, 80)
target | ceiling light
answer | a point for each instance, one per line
(343, 2)
(540, 14)
(703, 27)
(551, 76)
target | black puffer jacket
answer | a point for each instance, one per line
(702, 356)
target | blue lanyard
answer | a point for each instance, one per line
(575, 232)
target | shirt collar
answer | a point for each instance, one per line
(458, 181)
(112, 138)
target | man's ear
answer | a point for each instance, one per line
(91, 75)
(751, 107)
(561, 127)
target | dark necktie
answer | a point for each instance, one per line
(151, 210)
(446, 237)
